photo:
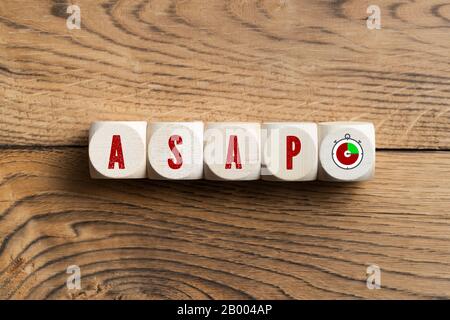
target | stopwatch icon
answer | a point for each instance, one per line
(347, 153)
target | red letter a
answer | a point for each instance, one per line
(233, 153)
(293, 147)
(172, 140)
(116, 154)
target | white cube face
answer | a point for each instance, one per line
(347, 151)
(117, 149)
(232, 151)
(175, 150)
(290, 151)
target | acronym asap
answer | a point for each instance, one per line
(277, 151)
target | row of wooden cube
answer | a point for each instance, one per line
(280, 151)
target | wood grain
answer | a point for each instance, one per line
(200, 239)
(218, 60)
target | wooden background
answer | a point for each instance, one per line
(223, 60)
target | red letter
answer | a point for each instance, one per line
(233, 152)
(172, 140)
(116, 154)
(293, 147)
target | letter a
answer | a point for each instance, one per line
(233, 153)
(116, 154)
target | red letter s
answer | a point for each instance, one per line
(172, 140)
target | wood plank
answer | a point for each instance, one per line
(224, 61)
(200, 239)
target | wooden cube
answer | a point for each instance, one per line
(289, 151)
(347, 151)
(117, 149)
(232, 151)
(175, 150)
